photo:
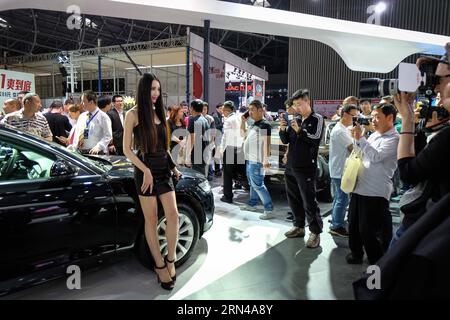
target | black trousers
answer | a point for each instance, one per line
(370, 226)
(232, 159)
(301, 195)
(216, 162)
(119, 151)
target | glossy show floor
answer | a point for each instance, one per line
(240, 257)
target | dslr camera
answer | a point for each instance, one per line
(411, 79)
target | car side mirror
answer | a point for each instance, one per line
(62, 168)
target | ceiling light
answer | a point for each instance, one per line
(3, 23)
(381, 7)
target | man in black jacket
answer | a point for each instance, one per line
(218, 120)
(117, 116)
(59, 124)
(303, 136)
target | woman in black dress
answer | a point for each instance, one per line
(153, 170)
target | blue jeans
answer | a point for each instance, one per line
(340, 204)
(258, 190)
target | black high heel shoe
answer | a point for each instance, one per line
(174, 278)
(165, 285)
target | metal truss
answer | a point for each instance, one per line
(138, 46)
(45, 36)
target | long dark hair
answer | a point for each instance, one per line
(147, 134)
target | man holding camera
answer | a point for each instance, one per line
(303, 136)
(424, 167)
(370, 221)
(340, 147)
(417, 266)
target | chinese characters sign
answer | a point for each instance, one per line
(12, 82)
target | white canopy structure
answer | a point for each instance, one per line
(361, 46)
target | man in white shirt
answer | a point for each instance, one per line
(370, 221)
(257, 142)
(341, 145)
(231, 148)
(93, 132)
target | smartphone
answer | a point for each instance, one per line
(288, 118)
(246, 114)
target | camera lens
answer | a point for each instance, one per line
(368, 88)
(388, 87)
(376, 88)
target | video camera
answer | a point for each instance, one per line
(426, 111)
(411, 79)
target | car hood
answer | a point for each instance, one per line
(122, 167)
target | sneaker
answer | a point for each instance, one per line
(295, 232)
(225, 199)
(289, 217)
(352, 259)
(267, 215)
(248, 207)
(237, 186)
(340, 232)
(313, 241)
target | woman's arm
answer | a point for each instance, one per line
(403, 102)
(129, 124)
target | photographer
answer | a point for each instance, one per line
(303, 136)
(340, 147)
(417, 266)
(370, 221)
(424, 167)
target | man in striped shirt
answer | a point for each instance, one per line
(28, 119)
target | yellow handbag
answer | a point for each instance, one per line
(352, 166)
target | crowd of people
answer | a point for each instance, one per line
(233, 144)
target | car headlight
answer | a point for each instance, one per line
(205, 186)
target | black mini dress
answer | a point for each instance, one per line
(160, 163)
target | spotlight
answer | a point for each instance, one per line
(381, 7)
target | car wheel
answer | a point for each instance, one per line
(187, 237)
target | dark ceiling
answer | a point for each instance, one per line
(28, 32)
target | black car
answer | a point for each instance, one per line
(59, 208)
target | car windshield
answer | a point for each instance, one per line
(99, 163)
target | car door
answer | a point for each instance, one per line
(50, 216)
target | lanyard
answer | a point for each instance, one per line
(89, 121)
